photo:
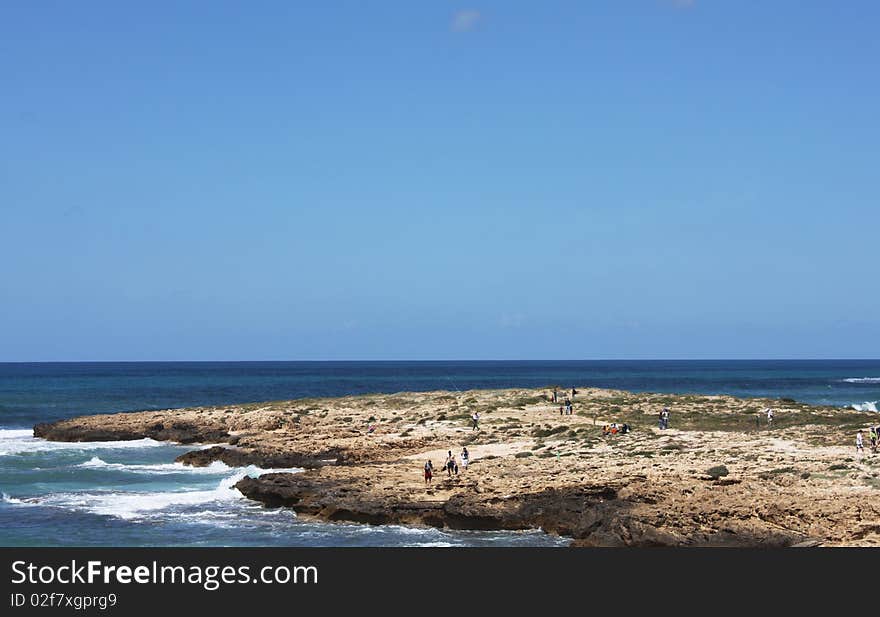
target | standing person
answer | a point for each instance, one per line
(554, 395)
(860, 446)
(476, 418)
(769, 417)
(450, 464)
(465, 458)
(872, 433)
(429, 472)
(561, 409)
(573, 392)
(660, 420)
(666, 417)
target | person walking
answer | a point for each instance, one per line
(476, 418)
(769, 417)
(429, 472)
(860, 446)
(666, 417)
(450, 464)
(465, 458)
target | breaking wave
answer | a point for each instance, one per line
(217, 467)
(19, 441)
(136, 505)
(866, 406)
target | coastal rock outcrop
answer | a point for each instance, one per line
(82, 429)
(714, 477)
(237, 457)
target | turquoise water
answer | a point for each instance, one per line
(133, 494)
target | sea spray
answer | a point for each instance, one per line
(866, 406)
(129, 505)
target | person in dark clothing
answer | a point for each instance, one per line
(450, 464)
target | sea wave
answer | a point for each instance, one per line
(862, 380)
(217, 467)
(866, 406)
(137, 505)
(20, 441)
(5, 498)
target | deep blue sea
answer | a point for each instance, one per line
(133, 494)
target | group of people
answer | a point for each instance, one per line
(554, 398)
(614, 428)
(451, 465)
(566, 408)
(874, 434)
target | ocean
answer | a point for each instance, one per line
(133, 494)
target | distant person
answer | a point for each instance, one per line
(465, 458)
(757, 421)
(476, 418)
(573, 392)
(665, 413)
(429, 472)
(872, 432)
(769, 417)
(450, 464)
(554, 395)
(561, 409)
(860, 446)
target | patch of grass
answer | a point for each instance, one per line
(718, 471)
(767, 475)
(522, 454)
(546, 432)
(837, 467)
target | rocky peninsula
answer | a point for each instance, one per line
(718, 476)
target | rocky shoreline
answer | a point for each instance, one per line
(717, 477)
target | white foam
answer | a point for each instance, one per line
(7, 499)
(866, 406)
(131, 505)
(19, 441)
(217, 467)
(862, 380)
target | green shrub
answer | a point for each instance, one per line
(718, 471)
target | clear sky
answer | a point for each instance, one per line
(491, 179)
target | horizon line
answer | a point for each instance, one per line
(773, 359)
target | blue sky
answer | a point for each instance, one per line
(453, 180)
